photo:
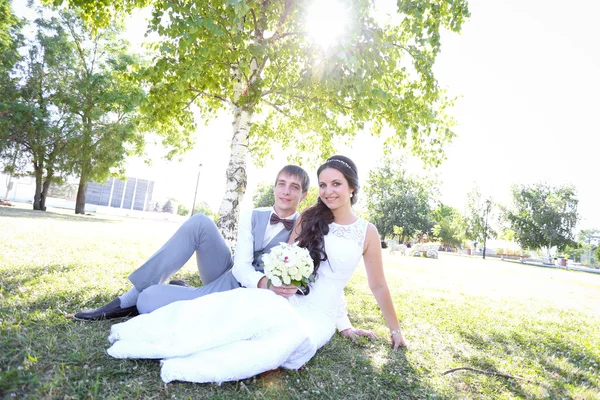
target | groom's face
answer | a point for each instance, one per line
(288, 194)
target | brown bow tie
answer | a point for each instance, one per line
(287, 223)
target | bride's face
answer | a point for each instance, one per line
(334, 190)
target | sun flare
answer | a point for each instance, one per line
(327, 21)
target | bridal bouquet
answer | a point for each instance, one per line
(288, 264)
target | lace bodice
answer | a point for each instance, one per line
(355, 231)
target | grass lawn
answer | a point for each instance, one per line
(539, 324)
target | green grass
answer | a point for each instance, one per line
(536, 323)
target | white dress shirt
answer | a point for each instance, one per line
(243, 270)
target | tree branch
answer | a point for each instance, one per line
(77, 42)
(284, 15)
(485, 372)
(257, 32)
(275, 107)
(276, 37)
(202, 93)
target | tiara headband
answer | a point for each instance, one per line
(340, 161)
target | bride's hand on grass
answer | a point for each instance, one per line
(354, 333)
(397, 340)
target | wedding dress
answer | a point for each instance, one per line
(237, 334)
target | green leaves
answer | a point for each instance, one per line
(543, 215)
(396, 198)
(377, 75)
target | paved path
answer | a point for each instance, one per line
(540, 264)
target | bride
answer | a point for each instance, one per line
(237, 334)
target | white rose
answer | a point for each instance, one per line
(287, 280)
(276, 281)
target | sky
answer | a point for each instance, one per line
(526, 77)
(527, 74)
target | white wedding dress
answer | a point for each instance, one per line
(237, 334)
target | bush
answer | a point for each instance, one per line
(182, 210)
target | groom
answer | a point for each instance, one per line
(259, 230)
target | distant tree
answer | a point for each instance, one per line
(168, 207)
(450, 225)
(203, 208)
(182, 210)
(73, 110)
(311, 198)
(543, 216)
(10, 37)
(588, 240)
(597, 253)
(104, 100)
(396, 198)
(11, 40)
(589, 237)
(263, 196)
(35, 125)
(478, 217)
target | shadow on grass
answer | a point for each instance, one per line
(36, 214)
(52, 353)
(13, 279)
(47, 354)
(560, 363)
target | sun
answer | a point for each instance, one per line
(327, 21)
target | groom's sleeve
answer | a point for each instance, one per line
(342, 321)
(243, 270)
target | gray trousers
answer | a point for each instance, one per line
(199, 234)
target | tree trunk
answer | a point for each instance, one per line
(81, 189)
(9, 185)
(44, 193)
(235, 187)
(37, 197)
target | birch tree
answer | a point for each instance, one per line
(258, 59)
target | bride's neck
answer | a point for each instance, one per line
(343, 216)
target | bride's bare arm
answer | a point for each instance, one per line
(378, 284)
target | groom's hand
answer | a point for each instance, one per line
(284, 290)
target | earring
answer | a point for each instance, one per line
(351, 194)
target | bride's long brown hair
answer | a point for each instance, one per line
(316, 219)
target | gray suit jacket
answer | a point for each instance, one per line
(260, 220)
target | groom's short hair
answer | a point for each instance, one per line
(298, 172)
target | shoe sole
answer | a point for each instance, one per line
(101, 319)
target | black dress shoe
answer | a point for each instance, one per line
(109, 311)
(178, 282)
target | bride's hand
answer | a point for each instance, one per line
(284, 290)
(397, 340)
(353, 333)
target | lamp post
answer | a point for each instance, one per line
(488, 205)
(196, 192)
